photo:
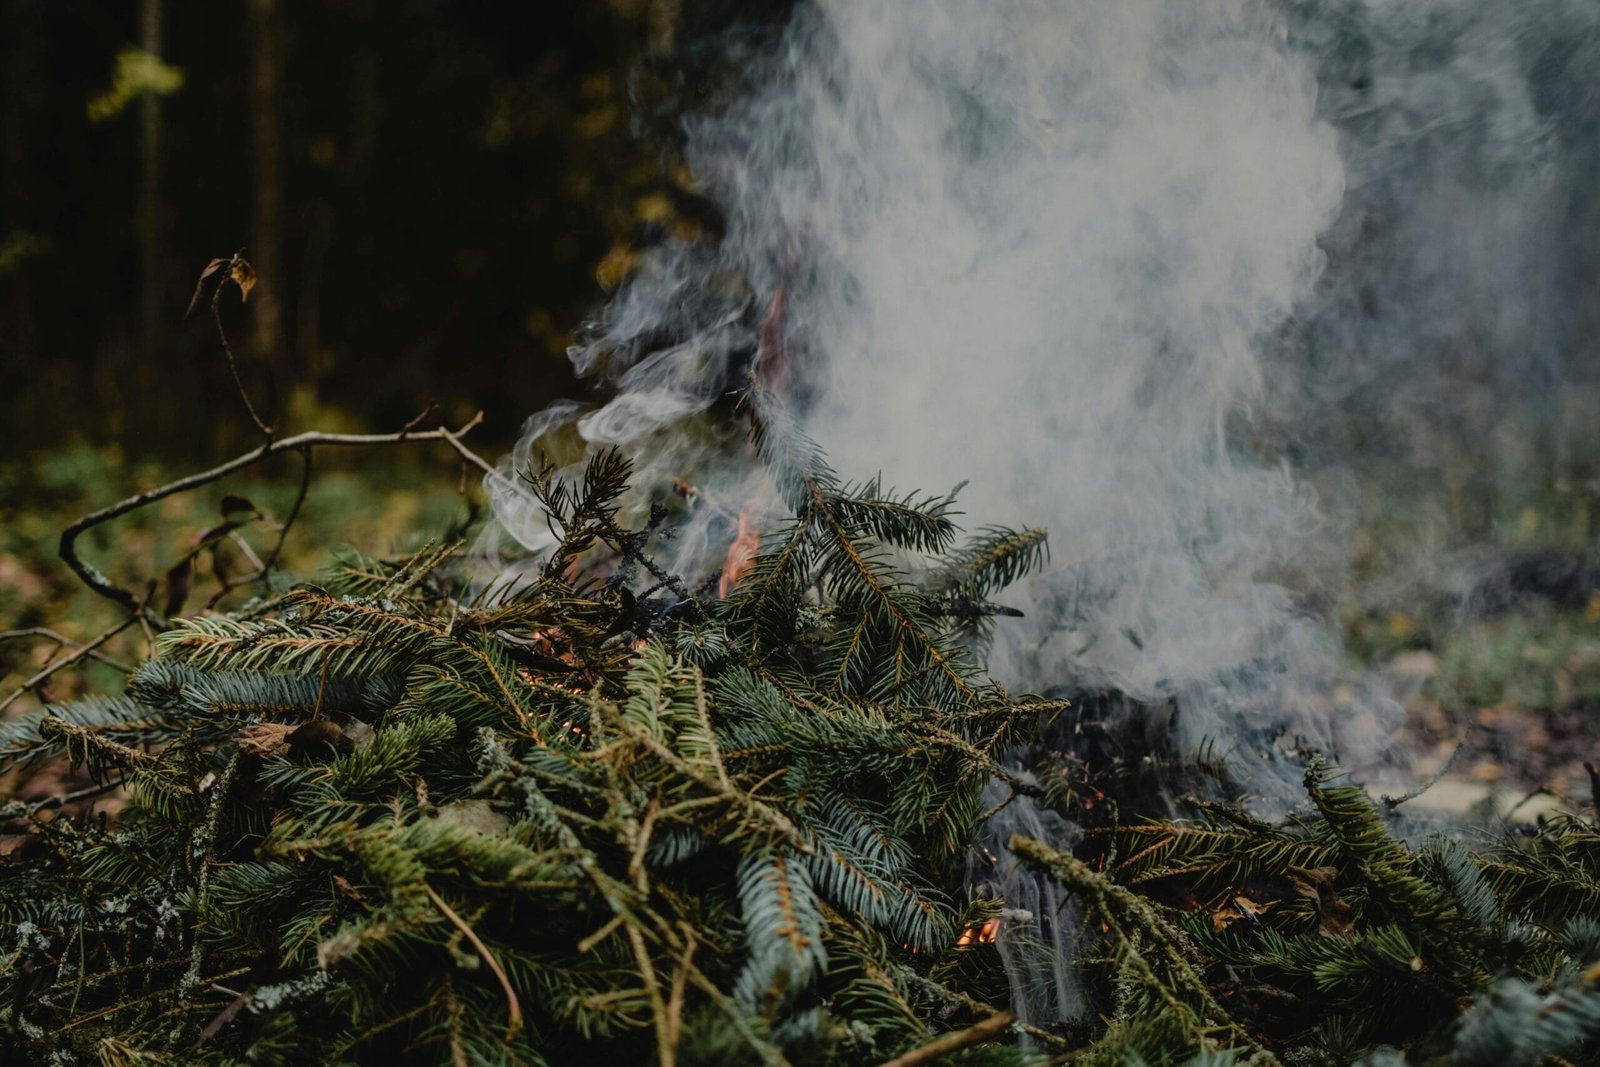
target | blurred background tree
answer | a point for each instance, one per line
(433, 196)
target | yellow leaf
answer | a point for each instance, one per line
(136, 73)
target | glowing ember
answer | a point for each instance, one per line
(980, 935)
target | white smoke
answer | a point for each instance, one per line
(1099, 259)
(1034, 246)
(1064, 228)
(1443, 371)
(1069, 253)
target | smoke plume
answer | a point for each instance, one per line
(1034, 247)
(1219, 291)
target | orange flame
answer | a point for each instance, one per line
(741, 553)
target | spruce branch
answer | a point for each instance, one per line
(513, 1005)
(1132, 922)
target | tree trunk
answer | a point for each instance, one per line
(266, 127)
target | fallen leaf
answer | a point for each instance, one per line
(321, 731)
(474, 815)
(1333, 911)
(240, 273)
(1236, 908)
(264, 739)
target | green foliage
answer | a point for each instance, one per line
(592, 815)
(569, 821)
(1326, 939)
(135, 74)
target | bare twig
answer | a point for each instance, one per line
(58, 800)
(666, 1053)
(227, 349)
(313, 439)
(945, 1044)
(955, 996)
(294, 510)
(136, 1001)
(474, 459)
(244, 548)
(513, 1005)
(83, 652)
(680, 983)
(223, 1017)
(1011, 794)
(47, 634)
(421, 417)
(263, 568)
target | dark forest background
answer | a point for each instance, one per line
(432, 194)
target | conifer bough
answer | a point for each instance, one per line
(374, 821)
(580, 821)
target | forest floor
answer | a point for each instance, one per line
(1501, 711)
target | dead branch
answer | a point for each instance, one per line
(294, 511)
(82, 652)
(513, 1005)
(47, 634)
(102, 585)
(948, 1043)
(240, 273)
(28, 809)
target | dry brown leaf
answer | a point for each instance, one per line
(240, 273)
(475, 815)
(322, 732)
(1333, 911)
(243, 275)
(264, 739)
(1237, 907)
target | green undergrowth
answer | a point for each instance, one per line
(1326, 939)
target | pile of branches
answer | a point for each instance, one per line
(581, 819)
(597, 815)
(1326, 939)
